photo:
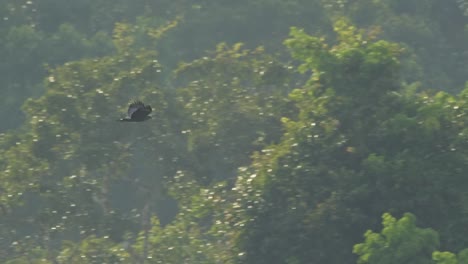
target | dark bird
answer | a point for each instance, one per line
(137, 112)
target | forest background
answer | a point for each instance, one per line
(283, 131)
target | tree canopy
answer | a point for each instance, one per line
(281, 131)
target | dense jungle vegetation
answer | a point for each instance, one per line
(283, 131)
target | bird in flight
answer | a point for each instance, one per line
(137, 112)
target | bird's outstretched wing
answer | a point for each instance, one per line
(134, 107)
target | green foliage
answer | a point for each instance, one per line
(355, 66)
(25, 50)
(450, 258)
(233, 100)
(423, 29)
(444, 257)
(360, 145)
(399, 242)
(87, 157)
(92, 250)
(243, 160)
(74, 152)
